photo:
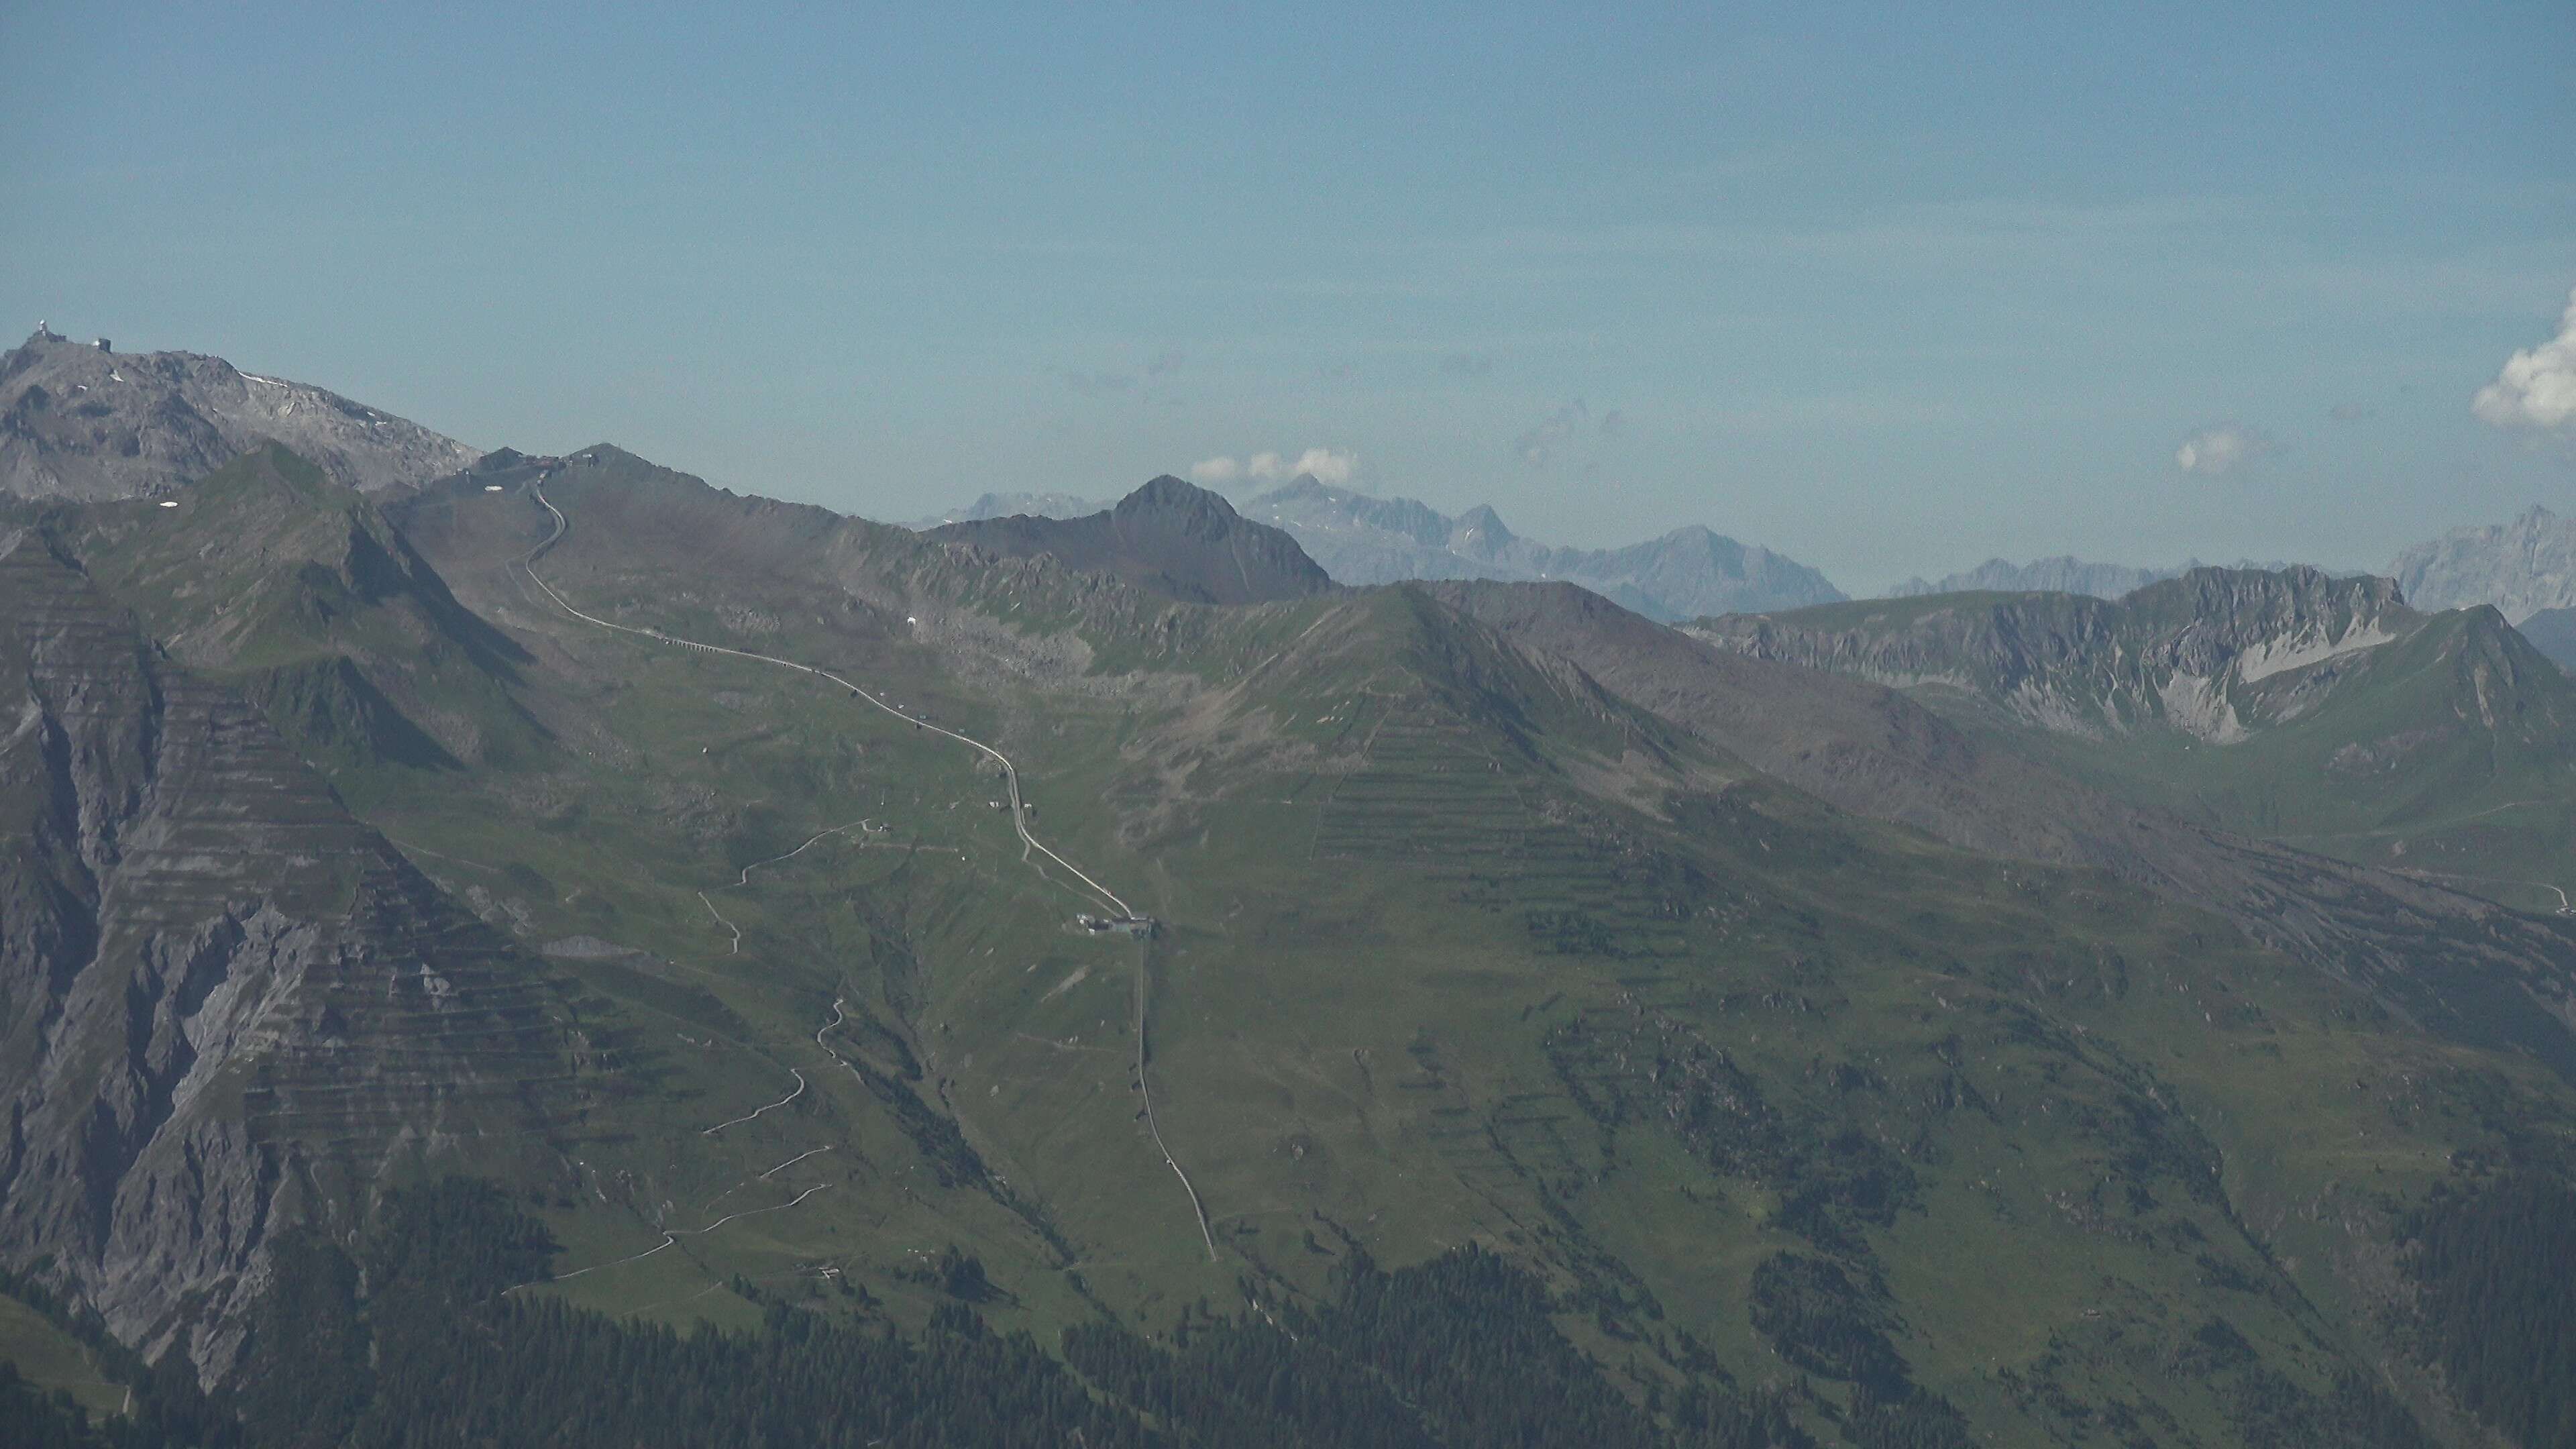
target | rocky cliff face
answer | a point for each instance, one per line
(2520, 567)
(2215, 653)
(77, 421)
(226, 1004)
(1684, 574)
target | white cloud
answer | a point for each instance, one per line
(1329, 465)
(2222, 449)
(1335, 466)
(1539, 445)
(2537, 388)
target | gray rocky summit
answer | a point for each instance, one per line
(79, 420)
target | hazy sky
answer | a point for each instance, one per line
(1891, 289)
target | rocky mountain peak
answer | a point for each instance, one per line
(1202, 513)
(1171, 537)
(81, 420)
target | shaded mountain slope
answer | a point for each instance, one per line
(1168, 537)
(296, 589)
(2442, 956)
(1683, 574)
(229, 1004)
(2553, 633)
(80, 422)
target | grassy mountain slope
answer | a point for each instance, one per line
(1467, 936)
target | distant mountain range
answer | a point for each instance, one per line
(2064, 574)
(1361, 539)
(1010, 505)
(1686, 573)
(78, 420)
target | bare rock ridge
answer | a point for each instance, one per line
(228, 1003)
(1686, 573)
(80, 421)
(1168, 537)
(2215, 653)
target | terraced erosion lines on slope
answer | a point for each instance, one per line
(1010, 772)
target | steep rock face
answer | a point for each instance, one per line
(1171, 537)
(80, 422)
(2216, 653)
(2520, 567)
(225, 1004)
(1683, 574)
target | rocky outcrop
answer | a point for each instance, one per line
(79, 421)
(2215, 653)
(225, 1003)
(2521, 568)
(1684, 574)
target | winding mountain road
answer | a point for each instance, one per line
(1011, 772)
(1019, 822)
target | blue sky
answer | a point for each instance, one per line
(1891, 292)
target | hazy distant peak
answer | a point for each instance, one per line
(1685, 573)
(2063, 574)
(2523, 567)
(1483, 520)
